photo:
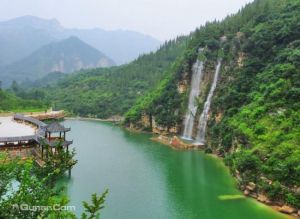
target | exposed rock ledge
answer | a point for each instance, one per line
(174, 142)
(250, 190)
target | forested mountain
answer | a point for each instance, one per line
(51, 79)
(9, 102)
(111, 91)
(65, 56)
(254, 119)
(21, 36)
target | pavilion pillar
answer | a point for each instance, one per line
(69, 172)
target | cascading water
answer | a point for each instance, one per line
(194, 93)
(204, 115)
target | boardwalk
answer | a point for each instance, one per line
(12, 128)
(27, 139)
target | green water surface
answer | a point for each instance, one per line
(149, 180)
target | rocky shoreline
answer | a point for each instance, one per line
(174, 142)
(250, 190)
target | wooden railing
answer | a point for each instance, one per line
(29, 119)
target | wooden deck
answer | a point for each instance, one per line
(23, 140)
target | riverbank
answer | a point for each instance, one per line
(40, 115)
(248, 190)
(114, 119)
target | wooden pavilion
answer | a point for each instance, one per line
(54, 135)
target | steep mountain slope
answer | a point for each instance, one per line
(112, 91)
(21, 36)
(254, 119)
(64, 56)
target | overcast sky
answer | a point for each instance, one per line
(163, 19)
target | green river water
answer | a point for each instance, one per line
(150, 180)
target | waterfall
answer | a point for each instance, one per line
(194, 93)
(204, 115)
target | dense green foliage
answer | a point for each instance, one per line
(92, 210)
(106, 92)
(255, 118)
(23, 185)
(261, 117)
(29, 191)
(9, 102)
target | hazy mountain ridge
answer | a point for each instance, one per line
(19, 43)
(65, 56)
(125, 47)
(21, 36)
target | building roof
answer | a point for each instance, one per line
(56, 127)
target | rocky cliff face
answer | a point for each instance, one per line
(255, 106)
(149, 122)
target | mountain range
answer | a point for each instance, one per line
(65, 56)
(21, 36)
(31, 47)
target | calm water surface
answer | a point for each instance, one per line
(149, 180)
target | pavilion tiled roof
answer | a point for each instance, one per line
(56, 127)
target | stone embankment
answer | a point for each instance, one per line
(251, 190)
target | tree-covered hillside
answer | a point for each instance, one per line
(255, 115)
(254, 120)
(261, 107)
(9, 102)
(112, 91)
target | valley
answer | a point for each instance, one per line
(230, 89)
